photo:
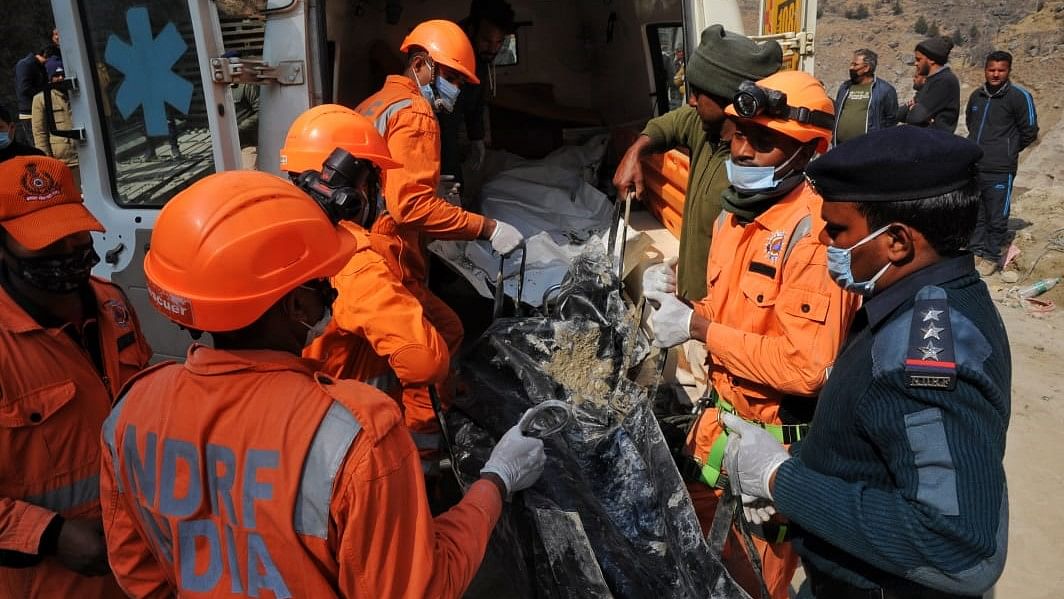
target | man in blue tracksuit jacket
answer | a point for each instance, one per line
(864, 102)
(1001, 118)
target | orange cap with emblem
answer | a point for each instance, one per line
(40, 203)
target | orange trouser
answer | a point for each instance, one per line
(778, 560)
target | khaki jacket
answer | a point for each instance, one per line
(63, 148)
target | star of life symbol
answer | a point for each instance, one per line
(931, 314)
(931, 332)
(930, 352)
(147, 63)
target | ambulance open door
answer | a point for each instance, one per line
(164, 93)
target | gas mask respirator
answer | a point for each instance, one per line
(338, 188)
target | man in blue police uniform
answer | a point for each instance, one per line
(899, 488)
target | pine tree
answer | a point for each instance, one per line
(932, 30)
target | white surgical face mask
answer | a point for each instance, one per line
(317, 329)
(751, 178)
(841, 268)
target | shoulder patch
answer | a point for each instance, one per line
(774, 246)
(930, 361)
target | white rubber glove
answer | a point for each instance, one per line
(751, 457)
(757, 511)
(661, 277)
(671, 321)
(477, 152)
(518, 460)
(506, 238)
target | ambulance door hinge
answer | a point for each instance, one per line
(256, 72)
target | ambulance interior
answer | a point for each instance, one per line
(570, 91)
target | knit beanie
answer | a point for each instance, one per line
(724, 59)
(936, 48)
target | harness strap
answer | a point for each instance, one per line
(709, 472)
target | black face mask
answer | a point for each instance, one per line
(63, 273)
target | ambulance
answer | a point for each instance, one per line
(166, 92)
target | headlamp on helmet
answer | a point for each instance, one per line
(754, 100)
(338, 188)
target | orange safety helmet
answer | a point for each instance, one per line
(318, 131)
(447, 44)
(234, 243)
(803, 92)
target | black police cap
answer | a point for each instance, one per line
(895, 164)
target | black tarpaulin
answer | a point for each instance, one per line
(610, 516)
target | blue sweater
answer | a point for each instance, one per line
(900, 479)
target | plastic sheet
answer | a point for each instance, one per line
(610, 517)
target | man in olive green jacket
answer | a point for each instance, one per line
(722, 60)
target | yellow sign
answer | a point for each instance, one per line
(782, 16)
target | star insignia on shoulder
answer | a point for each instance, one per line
(931, 332)
(930, 352)
(932, 314)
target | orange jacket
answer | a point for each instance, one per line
(408, 123)
(244, 472)
(380, 336)
(53, 402)
(776, 325)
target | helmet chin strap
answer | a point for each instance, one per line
(797, 161)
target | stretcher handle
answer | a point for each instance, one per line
(500, 292)
(624, 237)
(545, 419)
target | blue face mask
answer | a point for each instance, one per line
(751, 178)
(5, 139)
(840, 267)
(426, 88)
(448, 94)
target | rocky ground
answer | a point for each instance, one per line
(1033, 30)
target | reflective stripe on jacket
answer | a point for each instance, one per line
(53, 402)
(415, 212)
(244, 472)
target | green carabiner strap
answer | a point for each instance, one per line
(711, 469)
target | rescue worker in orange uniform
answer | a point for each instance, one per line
(774, 320)
(378, 333)
(439, 59)
(68, 341)
(245, 471)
